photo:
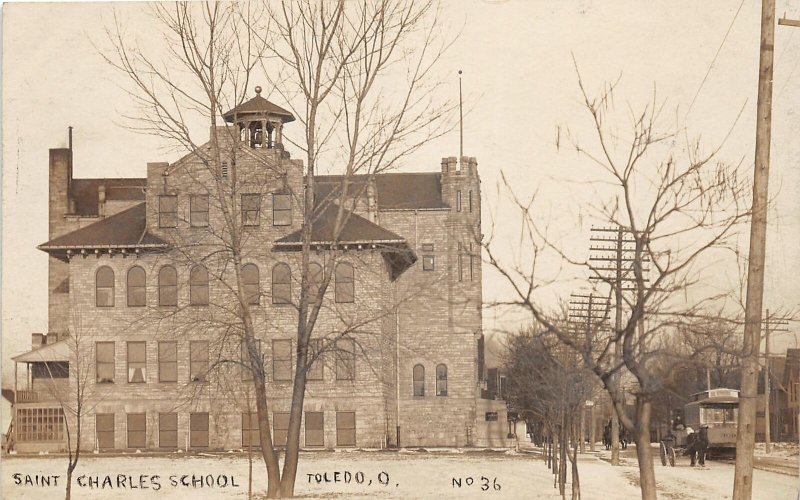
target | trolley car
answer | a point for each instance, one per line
(717, 409)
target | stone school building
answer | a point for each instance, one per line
(143, 317)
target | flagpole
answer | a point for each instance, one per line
(460, 119)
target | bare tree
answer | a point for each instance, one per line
(548, 382)
(675, 208)
(74, 391)
(357, 77)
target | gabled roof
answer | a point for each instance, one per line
(394, 191)
(258, 106)
(57, 351)
(127, 229)
(356, 230)
(84, 192)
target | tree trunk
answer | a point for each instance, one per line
(70, 469)
(295, 418)
(576, 483)
(265, 436)
(68, 495)
(647, 477)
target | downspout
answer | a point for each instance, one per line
(397, 362)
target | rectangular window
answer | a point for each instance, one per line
(315, 428)
(167, 210)
(104, 430)
(250, 436)
(40, 424)
(251, 209)
(167, 430)
(461, 269)
(105, 362)
(50, 370)
(198, 430)
(345, 359)
(224, 170)
(345, 428)
(137, 424)
(137, 362)
(471, 264)
(167, 361)
(458, 201)
(198, 210)
(281, 209)
(198, 361)
(317, 368)
(248, 364)
(491, 416)
(428, 261)
(282, 360)
(470, 201)
(280, 428)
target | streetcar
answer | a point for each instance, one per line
(716, 409)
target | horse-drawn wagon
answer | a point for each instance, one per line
(716, 411)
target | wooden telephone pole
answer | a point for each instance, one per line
(612, 261)
(745, 435)
(587, 315)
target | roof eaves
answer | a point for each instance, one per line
(343, 243)
(134, 245)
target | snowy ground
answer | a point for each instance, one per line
(778, 450)
(394, 475)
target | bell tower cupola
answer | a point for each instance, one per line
(260, 122)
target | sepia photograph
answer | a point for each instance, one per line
(401, 249)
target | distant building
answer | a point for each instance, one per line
(130, 268)
(787, 397)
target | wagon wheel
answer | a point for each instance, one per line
(663, 453)
(672, 457)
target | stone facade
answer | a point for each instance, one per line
(426, 314)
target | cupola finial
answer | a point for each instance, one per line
(258, 89)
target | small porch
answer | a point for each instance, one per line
(41, 388)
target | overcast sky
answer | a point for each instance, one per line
(520, 86)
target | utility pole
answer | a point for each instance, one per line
(770, 324)
(615, 265)
(587, 313)
(745, 435)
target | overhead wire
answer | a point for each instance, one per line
(710, 66)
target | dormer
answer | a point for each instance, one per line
(260, 122)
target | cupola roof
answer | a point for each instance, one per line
(257, 107)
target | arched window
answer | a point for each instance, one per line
(419, 380)
(441, 380)
(137, 296)
(344, 290)
(250, 280)
(104, 287)
(198, 286)
(167, 286)
(314, 281)
(281, 284)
